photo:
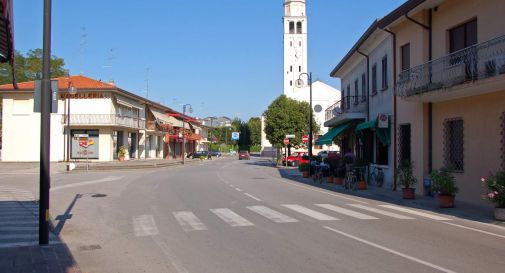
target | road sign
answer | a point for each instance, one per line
(235, 135)
(305, 139)
(383, 121)
(286, 141)
(290, 136)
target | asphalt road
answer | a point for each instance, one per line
(231, 216)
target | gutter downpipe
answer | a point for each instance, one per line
(428, 27)
(395, 156)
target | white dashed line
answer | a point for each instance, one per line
(253, 197)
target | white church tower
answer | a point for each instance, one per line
(295, 45)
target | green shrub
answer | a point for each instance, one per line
(405, 175)
(304, 167)
(495, 184)
(255, 148)
(443, 182)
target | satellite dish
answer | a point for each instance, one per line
(299, 83)
(337, 111)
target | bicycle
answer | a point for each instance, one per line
(317, 174)
(377, 176)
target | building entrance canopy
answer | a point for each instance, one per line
(383, 134)
(327, 139)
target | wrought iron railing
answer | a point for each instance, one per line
(474, 63)
(348, 104)
(105, 119)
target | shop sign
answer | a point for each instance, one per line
(85, 144)
(84, 95)
(383, 121)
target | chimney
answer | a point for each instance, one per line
(111, 82)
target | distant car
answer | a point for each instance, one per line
(215, 153)
(198, 154)
(295, 159)
(244, 155)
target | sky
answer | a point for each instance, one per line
(224, 57)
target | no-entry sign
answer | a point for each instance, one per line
(305, 139)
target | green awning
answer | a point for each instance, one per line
(367, 125)
(327, 138)
(384, 136)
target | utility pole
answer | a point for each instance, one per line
(45, 129)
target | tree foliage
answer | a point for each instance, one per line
(255, 129)
(287, 116)
(29, 67)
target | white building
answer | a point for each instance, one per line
(296, 67)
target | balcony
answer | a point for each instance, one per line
(105, 120)
(348, 108)
(469, 65)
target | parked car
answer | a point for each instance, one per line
(198, 154)
(295, 159)
(244, 155)
(215, 153)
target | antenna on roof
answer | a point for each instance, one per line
(82, 48)
(147, 83)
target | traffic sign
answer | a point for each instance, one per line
(235, 135)
(286, 141)
(290, 136)
(305, 139)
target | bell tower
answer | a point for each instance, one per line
(295, 45)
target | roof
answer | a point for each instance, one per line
(79, 82)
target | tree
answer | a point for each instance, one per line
(285, 116)
(244, 142)
(255, 128)
(29, 67)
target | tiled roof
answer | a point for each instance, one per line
(79, 82)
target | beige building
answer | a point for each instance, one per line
(450, 86)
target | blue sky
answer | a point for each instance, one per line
(224, 57)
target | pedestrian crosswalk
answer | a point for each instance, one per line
(293, 213)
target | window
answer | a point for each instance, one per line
(299, 27)
(374, 79)
(300, 68)
(453, 144)
(291, 43)
(348, 101)
(300, 43)
(405, 55)
(291, 27)
(385, 72)
(381, 152)
(86, 147)
(290, 83)
(363, 87)
(463, 36)
(290, 68)
(404, 148)
(356, 92)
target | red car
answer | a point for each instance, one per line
(244, 155)
(295, 159)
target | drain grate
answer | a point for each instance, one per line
(89, 247)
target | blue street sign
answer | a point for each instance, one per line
(235, 135)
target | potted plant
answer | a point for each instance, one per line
(304, 168)
(407, 180)
(361, 184)
(339, 175)
(495, 184)
(444, 184)
(121, 153)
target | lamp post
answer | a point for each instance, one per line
(71, 91)
(299, 83)
(190, 110)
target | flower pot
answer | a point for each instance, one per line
(329, 179)
(121, 158)
(445, 200)
(305, 174)
(339, 180)
(409, 193)
(499, 214)
(361, 185)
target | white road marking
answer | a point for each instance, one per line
(238, 189)
(347, 212)
(231, 217)
(272, 214)
(85, 183)
(189, 221)
(144, 225)
(383, 212)
(253, 197)
(415, 212)
(171, 257)
(476, 230)
(311, 213)
(428, 264)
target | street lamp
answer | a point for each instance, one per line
(299, 83)
(190, 110)
(71, 91)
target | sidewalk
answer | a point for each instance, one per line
(463, 210)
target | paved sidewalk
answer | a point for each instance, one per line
(462, 209)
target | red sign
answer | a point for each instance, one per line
(286, 141)
(305, 139)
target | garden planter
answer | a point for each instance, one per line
(121, 158)
(499, 214)
(445, 200)
(329, 179)
(339, 180)
(305, 174)
(409, 193)
(361, 185)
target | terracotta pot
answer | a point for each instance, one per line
(361, 185)
(306, 174)
(409, 193)
(445, 200)
(339, 180)
(121, 158)
(499, 214)
(329, 179)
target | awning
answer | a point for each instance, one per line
(383, 134)
(175, 122)
(127, 102)
(161, 116)
(327, 138)
(367, 125)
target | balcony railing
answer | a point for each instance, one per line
(104, 119)
(351, 104)
(474, 63)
